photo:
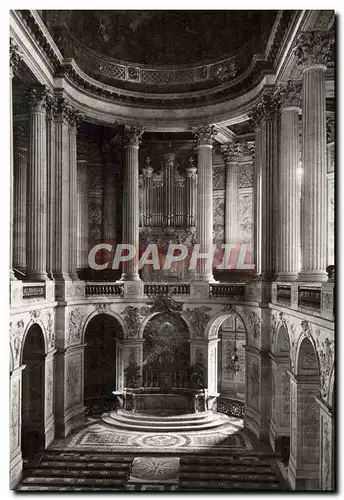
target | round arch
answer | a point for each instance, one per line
(282, 346)
(33, 353)
(216, 321)
(94, 314)
(26, 331)
(300, 345)
(103, 361)
(151, 316)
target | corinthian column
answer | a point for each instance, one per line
(74, 120)
(147, 193)
(313, 51)
(37, 187)
(289, 185)
(15, 57)
(51, 158)
(132, 139)
(204, 225)
(191, 194)
(265, 117)
(232, 153)
(20, 187)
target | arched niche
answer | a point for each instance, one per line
(103, 362)
(166, 352)
(33, 391)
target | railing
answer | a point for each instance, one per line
(99, 404)
(34, 291)
(309, 298)
(156, 289)
(236, 290)
(231, 407)
(152, 378)
(284, 294)
(107, 289)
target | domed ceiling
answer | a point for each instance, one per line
(168, 37)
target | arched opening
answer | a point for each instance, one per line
(227, 363)
(231, 359)
(305, 419)
(32, 430)
(280, 400)
(103, 363)
(166, 353)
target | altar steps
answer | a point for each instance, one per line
(77, 471)
(205, 473)
(177, 423)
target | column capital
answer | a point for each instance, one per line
(205, 135)
(36, 97)
(63, 110)
(251, 146)
(289, 94)
(313, 48)
(147, 172)
(132, 135)
(266, 109)
(233, 153)
(15, 57)
(74, 117)
(191, 172)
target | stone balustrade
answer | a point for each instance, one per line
(235, 291)
(104, 289)
(156, 289)
(34, 291)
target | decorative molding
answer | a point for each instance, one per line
(75, 318)
(198, 318)
(132, 135)
(15, 57)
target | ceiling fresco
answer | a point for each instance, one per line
(168, 37)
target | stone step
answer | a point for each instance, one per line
(59, 454)
(232, 468)
(235, 459)
(226, 485)
(70, 472)
(169, 418)
(66, 488)
(145, 425)
(71, 481)
(262, 478)
(84, 465)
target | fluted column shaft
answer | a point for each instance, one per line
(147, 195)
(289, 189)
(82, 233)
(313, 52)
(20, 187)
(15, 57)
(73, 207)
(191, 196)
(36, 256)
(51, 158)
(168, 169)
(257, 202)
(62, 193)
(130, 271)
(204, 225)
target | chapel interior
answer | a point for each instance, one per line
(198, 129)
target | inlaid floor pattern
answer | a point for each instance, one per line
(91, 471)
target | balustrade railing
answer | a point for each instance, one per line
(284, 294)
(156, 289)
(231, 407)
(34, 291)
(107, 289)
(236, 290)
(309, 298)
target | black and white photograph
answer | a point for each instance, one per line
(171, 203)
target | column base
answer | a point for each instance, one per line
(130, 277)
(36, 276)
(287, 277)
(312, 276)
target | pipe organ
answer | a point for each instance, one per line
(167, 212)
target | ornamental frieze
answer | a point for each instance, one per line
(16, 336)
(325, 348)
(133, 317)
(74, 325)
